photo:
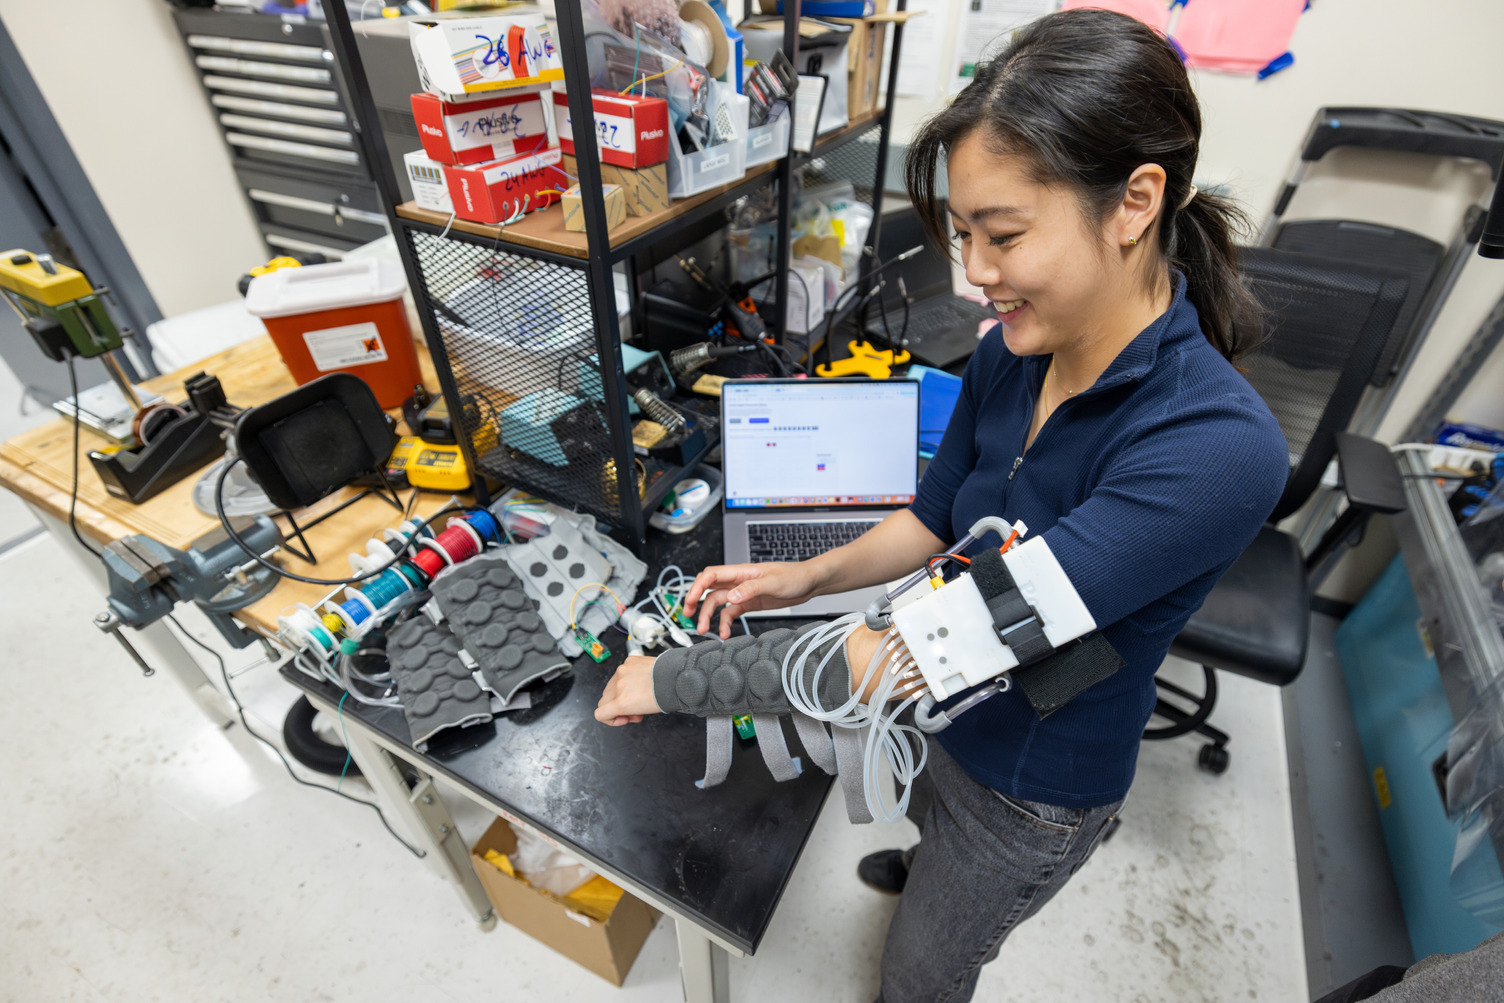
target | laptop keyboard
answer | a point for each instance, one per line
(799, 541)
(945, 318)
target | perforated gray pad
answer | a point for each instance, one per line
(553, 568)
(435, 687)
(743, 675)
(484, 603)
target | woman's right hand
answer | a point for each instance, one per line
(745, 588)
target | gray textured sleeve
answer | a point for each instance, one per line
(744, 675)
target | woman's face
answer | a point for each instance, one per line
(1051, 276)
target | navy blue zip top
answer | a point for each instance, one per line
(1146, 486)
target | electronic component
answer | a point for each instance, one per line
(592, 645)
(428, 466)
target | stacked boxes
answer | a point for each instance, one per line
(616, 208)
(485, 128)
(645, 189)
(483, 119)
(631, 132)
(498, 191)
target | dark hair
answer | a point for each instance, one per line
(1086, 97)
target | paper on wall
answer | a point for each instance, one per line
(984, 27)
(919, 71)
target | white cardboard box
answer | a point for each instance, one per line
(469, 56)
(430, 191)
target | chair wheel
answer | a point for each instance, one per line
(1213, 758)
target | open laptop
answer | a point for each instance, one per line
(942, 326)
(812, 464)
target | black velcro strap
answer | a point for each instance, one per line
(1028, 643)
(1008, 608)
(991, 575)
(1056, 680)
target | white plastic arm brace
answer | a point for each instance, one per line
(1012, 616)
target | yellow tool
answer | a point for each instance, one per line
(426, 465)
(274, 265)
(865, 361)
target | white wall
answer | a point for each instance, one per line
(119, 82)
(1440, 57)
(1355, 52)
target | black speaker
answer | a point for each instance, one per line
(309, 443)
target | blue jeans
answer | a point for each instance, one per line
(986, 863)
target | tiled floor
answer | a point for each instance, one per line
(148, 855)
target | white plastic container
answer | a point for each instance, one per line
(687, 521)
(770, 141)
(690, 174)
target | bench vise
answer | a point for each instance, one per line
(147, 579)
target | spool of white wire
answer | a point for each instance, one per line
(694, 39)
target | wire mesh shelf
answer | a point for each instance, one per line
(521, 344)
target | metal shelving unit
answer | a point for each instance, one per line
(522, 319)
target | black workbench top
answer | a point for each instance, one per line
(625, 797)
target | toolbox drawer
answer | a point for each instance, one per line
(288, 240)
(342, 211)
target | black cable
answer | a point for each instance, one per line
(224, 521)
(73, 495)
(854, 287)
(240, 711)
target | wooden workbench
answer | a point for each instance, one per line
(38, 466)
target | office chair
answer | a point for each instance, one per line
(1326, 325)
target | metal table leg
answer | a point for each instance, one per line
(704, 968)
(420, 811)
(157, 643)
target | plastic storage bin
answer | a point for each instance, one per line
(683, 523)
(345, 317)
(769, 142)
(690, 174)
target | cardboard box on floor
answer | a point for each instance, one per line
(607, 949)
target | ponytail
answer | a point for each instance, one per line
(1199, 241)
(1086, 97)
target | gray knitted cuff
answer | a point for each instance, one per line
(744, 675)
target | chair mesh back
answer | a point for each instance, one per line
(1341, 241)
(1325, 327)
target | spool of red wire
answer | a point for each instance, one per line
(428, 562)
(459, 542)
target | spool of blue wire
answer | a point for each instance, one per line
(357, 611)
(485, 524)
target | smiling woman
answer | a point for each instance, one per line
(1103, 412)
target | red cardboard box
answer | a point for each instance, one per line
(490, 128)
(496, 190)
(632, 132)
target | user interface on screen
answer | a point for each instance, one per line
(817, 443)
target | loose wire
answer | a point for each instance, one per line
(73, 495)
(224, 521)
(599, 588)
(240, 711)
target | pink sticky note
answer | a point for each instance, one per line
(1154, 13)
(1236, 34)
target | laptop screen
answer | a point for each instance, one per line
(820, 442)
